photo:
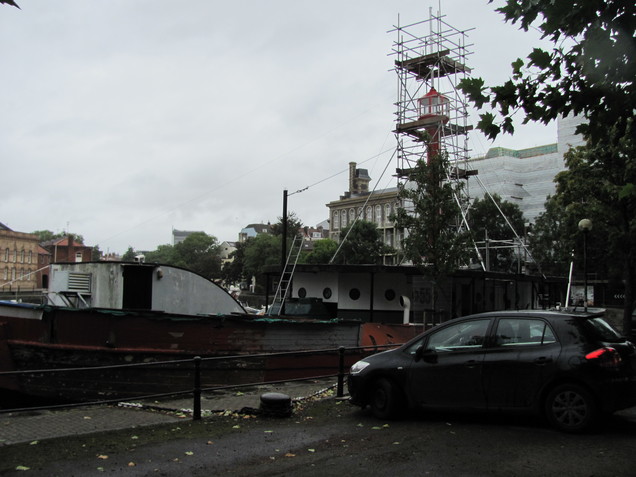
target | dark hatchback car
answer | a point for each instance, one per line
(569, 367)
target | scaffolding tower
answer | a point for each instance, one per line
(432, 114)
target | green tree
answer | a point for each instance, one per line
(491, 218)
(590, 71)
(552, 239)
(129, 255)
(232, 271)
(294, 226)
(96, 253)
(583, 190)
(200, 253)
(260, 252)
(432, 238)
(361, 244)
(164, 254)
(324, 250)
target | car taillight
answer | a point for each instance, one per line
(605, 357)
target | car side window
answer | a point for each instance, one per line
(460, 336)
(523, 332)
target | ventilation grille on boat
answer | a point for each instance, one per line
(79, 282)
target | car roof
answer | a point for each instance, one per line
(552, 313)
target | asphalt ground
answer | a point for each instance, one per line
(37, 425)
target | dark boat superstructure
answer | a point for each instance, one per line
(111, 314)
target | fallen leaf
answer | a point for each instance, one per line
(268, 432)
(289, 454)
(131, 464)
(236, 427)
(311, 450)
(134, 437)
(34, 443)
(189, 453)
(88, 417)
(102, 456)
(22, 467)
(100, 469)
(210, 443)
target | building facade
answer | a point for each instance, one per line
(252, 230)
(375, 207)
(18, 260)
(66, 249)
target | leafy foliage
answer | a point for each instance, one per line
(363, 244)
(199, 252)
(323, 250)
(430, 219)
(590, 72)
(232, 271)
(260, 252)
(294, 225)
(487, 222)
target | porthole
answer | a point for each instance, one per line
(389, 295)
(302, 293)
(326, 293)
(354, 294)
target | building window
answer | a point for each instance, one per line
(378, 214)
(30, 257)
(336, 220)
(6, 254)
(78, 257)
(387, 212)
(369, 214)
(22, 256)
(13, 274)
(6, 273)
(352, 215)
(344, 218)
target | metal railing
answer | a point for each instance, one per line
(196, 368)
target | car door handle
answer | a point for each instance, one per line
(542, 361)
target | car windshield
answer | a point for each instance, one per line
(602, 329)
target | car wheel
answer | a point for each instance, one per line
(570, 408)
(387, 400)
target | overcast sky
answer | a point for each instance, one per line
(123, 119)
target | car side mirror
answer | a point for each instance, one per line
(427, 355)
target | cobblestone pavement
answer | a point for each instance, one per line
(35, 425)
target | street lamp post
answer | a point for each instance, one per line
(585, 225)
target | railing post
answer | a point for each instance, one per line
(341, 372)
(196, 408)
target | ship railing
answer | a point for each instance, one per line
(195, 365)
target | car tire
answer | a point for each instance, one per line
(387, 401)
(570, 408)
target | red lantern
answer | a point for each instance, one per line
(434, 111)
(434, 106)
